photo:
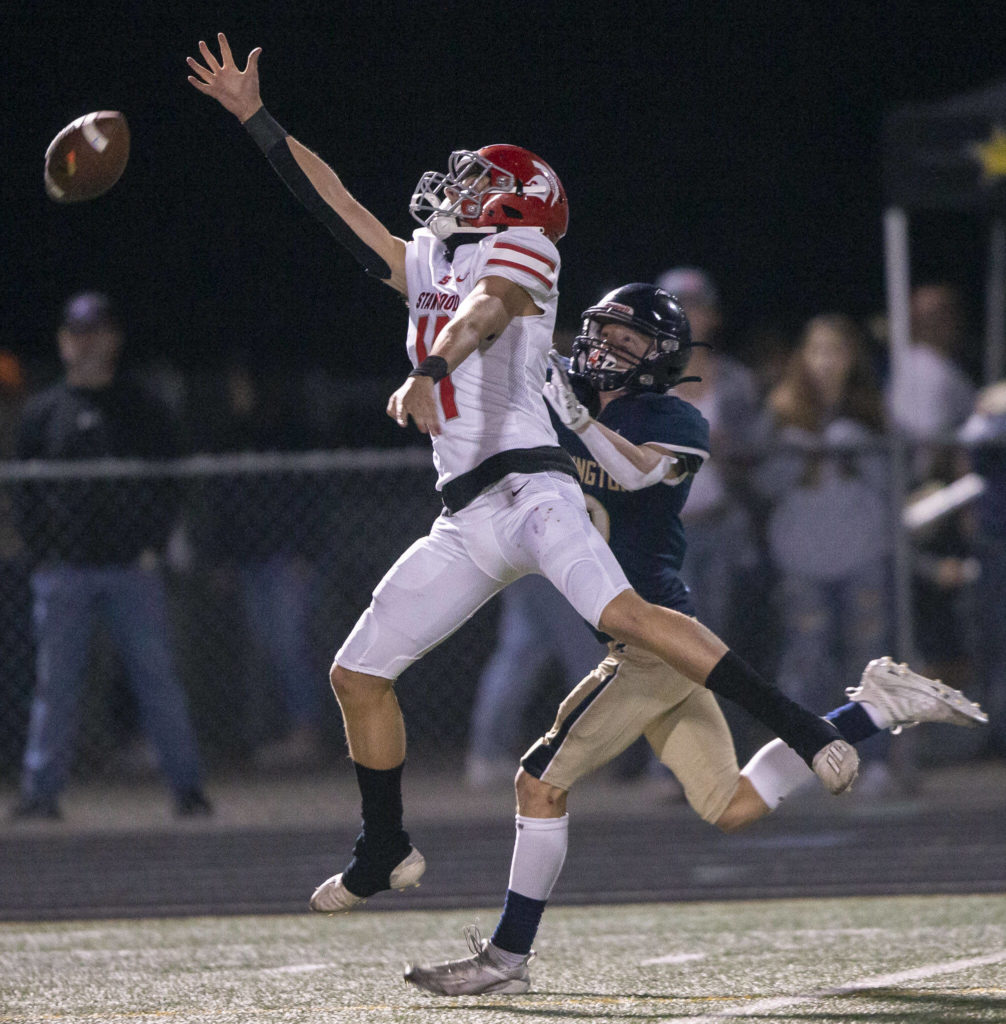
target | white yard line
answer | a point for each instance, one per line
(673, 958)
(299, 968)
(877, 981)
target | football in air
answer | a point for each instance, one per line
(87, 157)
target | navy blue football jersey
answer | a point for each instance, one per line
(643, 528)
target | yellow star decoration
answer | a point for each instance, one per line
(992, 154)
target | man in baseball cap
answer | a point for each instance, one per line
(87, 311)
(96, 546)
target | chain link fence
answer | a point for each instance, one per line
(330, 524)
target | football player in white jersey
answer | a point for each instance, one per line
(480, 280)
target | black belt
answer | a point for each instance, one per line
(463, 489)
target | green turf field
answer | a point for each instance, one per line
(938, 959)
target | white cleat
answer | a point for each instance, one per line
(837, 766)
(332, 897)
(475, 975)
(907, 698)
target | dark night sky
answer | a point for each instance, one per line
(741, 138)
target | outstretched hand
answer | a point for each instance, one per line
(236, 90)
(559, 394)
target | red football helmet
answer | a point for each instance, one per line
(491, 187)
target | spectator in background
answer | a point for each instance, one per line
(767, 346)
(259, 535)
(95, 546)
(829, 530)
(928, 403)
(985, 430)
(933, 396)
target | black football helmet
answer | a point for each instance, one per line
(649, 310)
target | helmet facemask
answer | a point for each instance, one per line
(608, 366)
(445, 202)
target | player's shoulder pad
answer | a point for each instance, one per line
(678, 425)
(686, 410)
(422, 240)
(669, 406)
(523, 255)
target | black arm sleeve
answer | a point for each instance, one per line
(271, 139)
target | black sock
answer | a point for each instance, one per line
(853, 722)
(380, 801)
(383, 843)
(518, 924)
(804, 731)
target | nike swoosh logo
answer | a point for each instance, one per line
(519, 489)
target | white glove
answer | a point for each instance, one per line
(559, 394)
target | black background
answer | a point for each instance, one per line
(743, 138)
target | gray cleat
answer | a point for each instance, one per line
(475, 975)
(907, 698)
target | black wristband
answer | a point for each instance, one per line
(431, 366)
(264, 130)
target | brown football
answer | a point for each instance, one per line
(87, 157)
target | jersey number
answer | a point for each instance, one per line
(446, 386)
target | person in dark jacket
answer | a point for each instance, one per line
(95, 543)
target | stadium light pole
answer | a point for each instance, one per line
(898, 278)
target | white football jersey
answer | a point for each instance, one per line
(492, 402)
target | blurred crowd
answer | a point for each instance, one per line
(792, 527)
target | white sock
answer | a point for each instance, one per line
(504, 958)
(775, 771)
(538, 855)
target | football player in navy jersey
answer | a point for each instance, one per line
(636, 456)
(480, 279)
